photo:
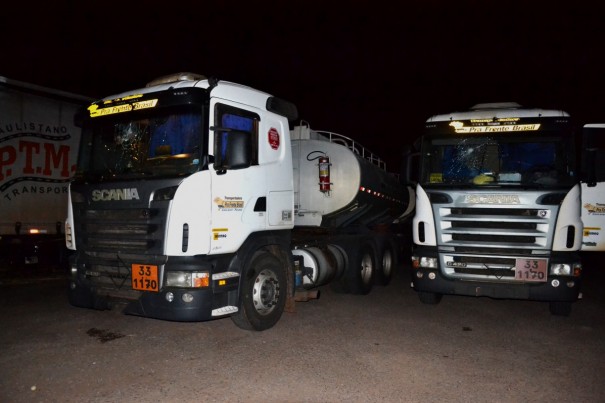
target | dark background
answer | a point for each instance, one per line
(371, 70)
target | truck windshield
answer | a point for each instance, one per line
(538, 161)
(166, 143)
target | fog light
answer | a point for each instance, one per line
(169, 296)
(432, 275)
(555, 283)
(571, 284)
(72, 285)
(187, 297)
(419, 274)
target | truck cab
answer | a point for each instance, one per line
(497, 211)
(197, 199)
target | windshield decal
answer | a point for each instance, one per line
(460, 128)
(95, 111)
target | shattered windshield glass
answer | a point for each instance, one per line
(165, 143)
(498, 160)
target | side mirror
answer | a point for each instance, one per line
(232, 150)
(593, 153)
(410, 163)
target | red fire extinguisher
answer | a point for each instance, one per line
(324, 174)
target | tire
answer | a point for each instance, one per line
(362, 270)
(559, 308)
(339, 285)
(429, 298)
(387, 261)
(263, 294)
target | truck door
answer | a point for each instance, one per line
(593, 187)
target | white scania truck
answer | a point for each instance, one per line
(502, 210)
(196, 199)
(38, 152)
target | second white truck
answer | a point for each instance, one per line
(503, 209)
(195, 199)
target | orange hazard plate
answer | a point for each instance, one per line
(145, 277)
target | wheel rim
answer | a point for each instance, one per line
(367, 267)
(265, 292)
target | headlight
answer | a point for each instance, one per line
(423, 261)
(560, 269)
(429, 262)
(187, 279)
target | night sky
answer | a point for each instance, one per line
(371, 70)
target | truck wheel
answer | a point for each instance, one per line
(387, 261)
(263, 294)
(362, 271)
(430, 298)
(560, 308)
(339, 285)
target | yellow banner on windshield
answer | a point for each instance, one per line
(460, 128)
(95, 111)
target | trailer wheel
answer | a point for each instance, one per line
(263, 294)
(387, 261)
(363, 269)
(559, 308)
(429, 298)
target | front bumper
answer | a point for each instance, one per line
(567, 289)
(170, 303)
(555, 288)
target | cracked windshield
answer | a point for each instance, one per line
(155, 145)
(538, 162)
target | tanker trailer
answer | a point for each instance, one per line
(188, 205)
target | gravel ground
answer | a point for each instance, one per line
(383, 347)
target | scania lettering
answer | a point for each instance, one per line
(502, 208)
(115, 194)
(198, 199)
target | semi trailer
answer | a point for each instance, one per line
(38, 151)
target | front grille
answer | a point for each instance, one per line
(488, 272)
(112, 240)
(494, 228)
(120, 231)
(111, 278)
(484, 243)
(494, 238)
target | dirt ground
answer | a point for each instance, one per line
(383, 347)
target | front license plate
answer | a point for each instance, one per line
(145, 277)
(531, 269)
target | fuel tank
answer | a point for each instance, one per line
(338, 183)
